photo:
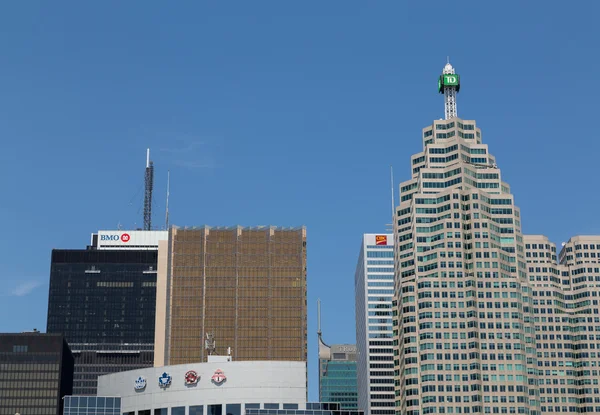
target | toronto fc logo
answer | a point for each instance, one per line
(219, 377)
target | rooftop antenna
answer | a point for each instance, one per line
(391, 225)
(449, 85)
(167, 212)
(319, 317)
(210, 344)
(149, 185)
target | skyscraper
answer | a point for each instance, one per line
(102, 299)
(36, 372)
(374, 289)
(337, 372)
(565, 299)
(243, 287)
(464, 321)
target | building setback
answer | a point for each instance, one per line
(36, 371)
(245, 287)
(464, 322)
(374, 290)
(103, 301)
(485, 319)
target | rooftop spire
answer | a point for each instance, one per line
(148, 187)
(449, 85)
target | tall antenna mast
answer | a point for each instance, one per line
(389, 227)
(449, 85)
(393, 201)
(319, 316)
(149, 185)
(167, 213)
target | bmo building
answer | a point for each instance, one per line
(103, 300)
(218, 387)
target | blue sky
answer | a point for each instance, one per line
(282, 113)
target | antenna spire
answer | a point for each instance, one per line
(449, 85)
(148, 187)
(319, 316)
(167, 212)
(393, 201)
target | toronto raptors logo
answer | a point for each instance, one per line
(191, 378)
(219, 377)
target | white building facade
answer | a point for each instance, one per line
(374, 290)
(214, 388)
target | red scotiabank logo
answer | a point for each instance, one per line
(125, 237)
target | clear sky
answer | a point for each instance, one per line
(282, 113)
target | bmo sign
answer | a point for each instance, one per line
(124, 237)
(145, 240)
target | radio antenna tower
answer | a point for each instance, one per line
(167, 210)
(449, 85)
(149, 185)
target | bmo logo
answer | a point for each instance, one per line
(125, 237)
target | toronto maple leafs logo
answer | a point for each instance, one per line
(140, 383)
(164, 380)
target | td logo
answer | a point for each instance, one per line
(125, 237)
(450, 80)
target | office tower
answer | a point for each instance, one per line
(238, 288)
(102, 299)
(337, 372)
(36, 371)
(565, 300)
(374, 289)
(464, 319)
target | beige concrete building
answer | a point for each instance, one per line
(486, 320)
(464, 319)
(567, 321)
(244, 287)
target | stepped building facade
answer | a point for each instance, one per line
(486, 320)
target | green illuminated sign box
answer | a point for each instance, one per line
(448, 80)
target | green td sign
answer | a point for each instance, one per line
(448, 80)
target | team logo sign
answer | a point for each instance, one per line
(219, 377)
(164, 380)
(140, 383)
(191, 378)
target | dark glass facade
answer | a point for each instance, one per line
(36, 371)
(92, 405)
(311, 409)
(104, 302)
(337, 374)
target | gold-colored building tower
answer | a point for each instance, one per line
(244, 286)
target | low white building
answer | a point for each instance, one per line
(214, 388)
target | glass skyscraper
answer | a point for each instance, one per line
(103, 302)
(244, 286)
(485, 319)
(337, 374)
(374, 289)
